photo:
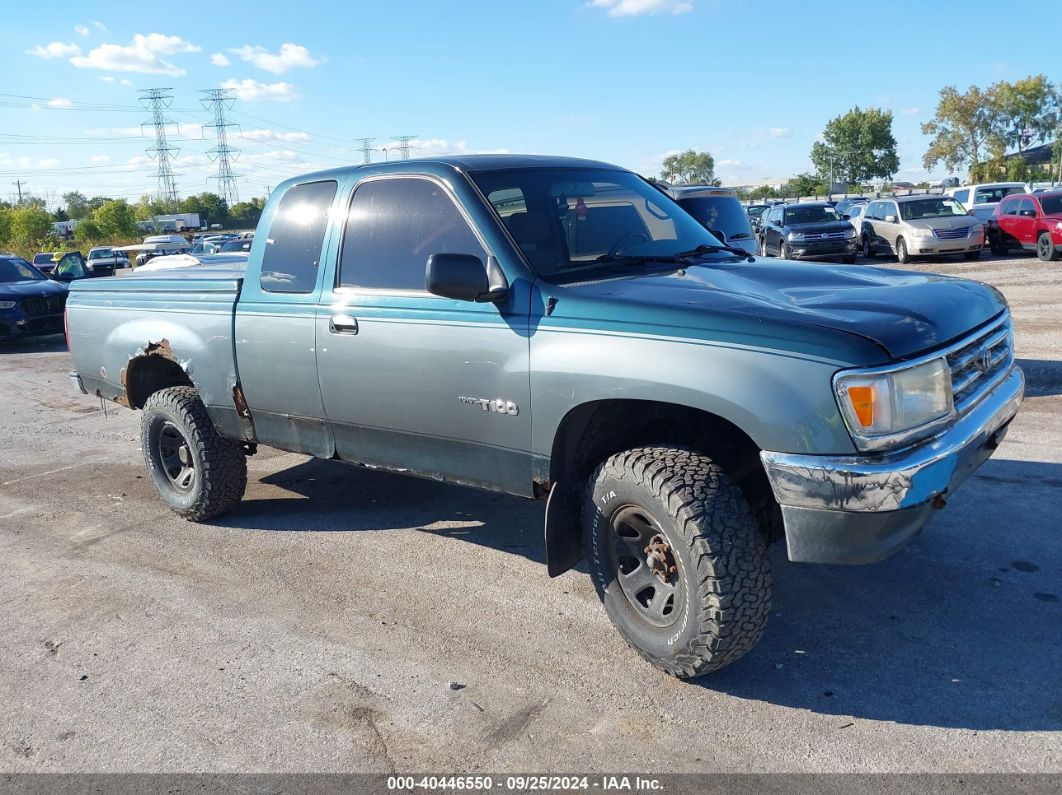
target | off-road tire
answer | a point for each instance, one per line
(718, 547)
(903, 256)
(1045, 247)
(220, 464)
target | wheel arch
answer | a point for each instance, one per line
(592, 431)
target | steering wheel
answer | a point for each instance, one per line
(641, 238)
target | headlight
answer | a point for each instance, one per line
(7, 304)
(795, 236)
(849, 233)
(886, 408)
(921, 231)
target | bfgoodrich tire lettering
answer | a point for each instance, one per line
(197, 473)
(719, 555)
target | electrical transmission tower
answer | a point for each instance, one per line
(366, 149)
(156, 100)
(218, 100)
(403, 144)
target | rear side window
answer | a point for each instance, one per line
(962, 196)
(394, 225)
(296, 238)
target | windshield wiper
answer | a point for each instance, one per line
(704, 248)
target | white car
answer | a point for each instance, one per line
(981, 199)
(855, 215)
(177, 261)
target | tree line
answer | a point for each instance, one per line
(971, 129)
(26, 227)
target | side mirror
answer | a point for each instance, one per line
(463, 277)
(62, 277)
(890, 219)
(846, 217)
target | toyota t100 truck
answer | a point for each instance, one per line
(561, 330)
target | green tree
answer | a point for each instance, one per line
(691, 167)
(88, 231)
(212, 208)
(857, 147)
(115, 219)
(966, 129)
(763, 192)
(29, 224)
(5, 223)
(1028, 110)
(805, 185)
(246, 214)
(76, 205)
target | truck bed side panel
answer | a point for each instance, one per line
(114, 321)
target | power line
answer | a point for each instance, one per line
(219, 100)
(156, 100)
(403, 142)
(366, 150)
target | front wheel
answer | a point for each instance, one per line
(868, 250)
(197, 472)
(677, 558)
(902, 256)
(1045, 247)
(972, 255)
(763, 247)
(784, 251)
(996, 244)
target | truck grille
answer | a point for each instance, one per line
(45, 305)
(952, 234)
(980, 364)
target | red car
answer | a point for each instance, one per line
(1032, 223)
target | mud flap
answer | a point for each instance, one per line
(564, 537)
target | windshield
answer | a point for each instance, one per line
(811, 214)
(100, 253)
(18, 270)
(719, 213)
(567, 218)
(43, 259)
(236, 245)
(1052, 204)
(937, 207)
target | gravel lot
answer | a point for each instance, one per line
(318, 628)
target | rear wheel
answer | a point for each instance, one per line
(677, 558)
(198, 473)
(1045, 247)
(902, 256)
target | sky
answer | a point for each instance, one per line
(624, 81)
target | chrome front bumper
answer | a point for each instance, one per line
(857, 509)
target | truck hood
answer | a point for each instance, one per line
(792, 304)
(14, 291)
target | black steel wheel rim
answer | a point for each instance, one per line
(175, 457)
(659, 598)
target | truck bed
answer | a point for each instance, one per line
(185, 316)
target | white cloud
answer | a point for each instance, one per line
(126, 82)
(729, 163)
(60, 102)
(27, 162)
(56, 49)
(634, 8)
(218, 59)
(432, 147)
(251, 90)
(99, 25)
(81, 30)
(289, 57)
(100, 159)
(273, 135)
(780, 132)
(910, 112)
(141, 55)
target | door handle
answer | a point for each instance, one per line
(343, 324)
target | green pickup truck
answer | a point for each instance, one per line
(561, 330)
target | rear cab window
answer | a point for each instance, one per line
(296, 238)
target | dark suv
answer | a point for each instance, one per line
(808, 230)
(720, 212)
